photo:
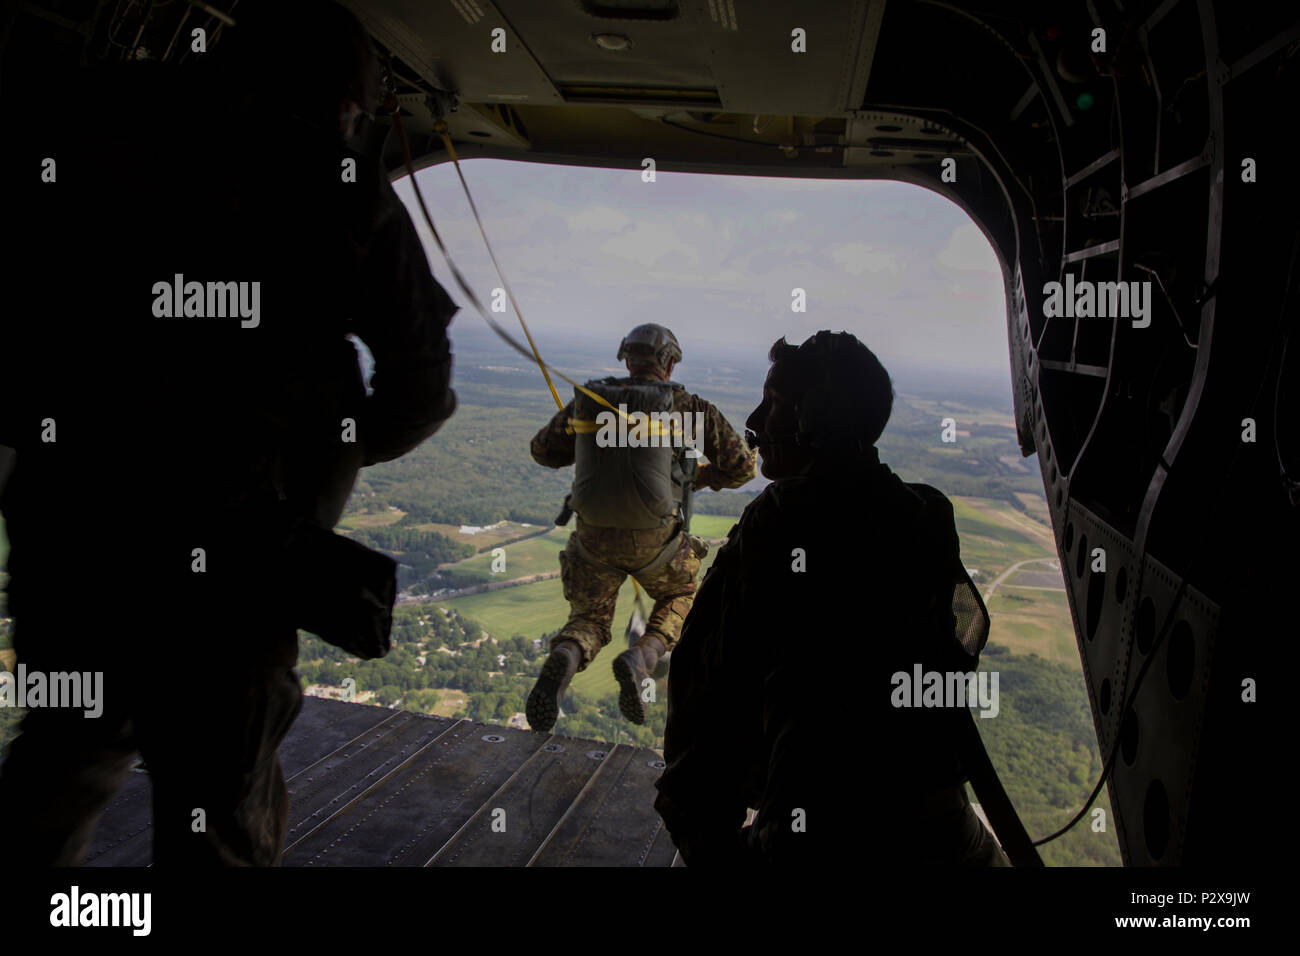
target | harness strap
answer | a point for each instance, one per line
(587, 426)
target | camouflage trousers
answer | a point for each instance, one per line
(592, 590)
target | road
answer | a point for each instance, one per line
(1016, 567)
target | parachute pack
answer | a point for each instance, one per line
(634, 476)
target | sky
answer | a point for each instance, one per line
(715, 258)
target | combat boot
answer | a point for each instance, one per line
(544, 702)
(632, 669)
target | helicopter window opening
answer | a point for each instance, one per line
(731, 264)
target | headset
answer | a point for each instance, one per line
(813, 429)
(814, 410)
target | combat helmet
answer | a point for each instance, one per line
(650, 339)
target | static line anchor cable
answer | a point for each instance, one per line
(531, 352)
(441, 128)
(1129, 694)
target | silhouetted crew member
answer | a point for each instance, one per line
(628, 501)
(198, 429)
(837, 577)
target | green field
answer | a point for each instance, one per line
(994, 537)
(538, 608)
(530, 556)
(992, 540)
(539, 554)
(711, 526)
(1033, 622)
(965, 413)
(483, 539)
(510, 530)
(354, 522)
(1036, 506)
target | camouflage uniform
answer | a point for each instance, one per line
(592, 579)
(780, 693)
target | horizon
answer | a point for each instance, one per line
(717, 258)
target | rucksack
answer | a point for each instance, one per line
(616, 485)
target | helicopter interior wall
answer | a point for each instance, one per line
(1123, 167)
(1125, 191)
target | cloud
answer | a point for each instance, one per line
(859, 258)
(968, 251)
(649, 242)
(674, 270)
(598, 219)
(719, 256)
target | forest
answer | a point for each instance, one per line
(418, 553)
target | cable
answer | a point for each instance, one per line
(460, 279)
(1114, 751)
(1291, 485)
(1168, 300)
(144, 22)
(741, 139)
(505, 336)
(1129, 696)
(446, 141)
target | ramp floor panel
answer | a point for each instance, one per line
(614, 817)
(370, 786)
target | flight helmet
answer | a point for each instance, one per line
(651, 343)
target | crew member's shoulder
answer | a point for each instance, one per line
(877, 498)
(934, 515)
(762, 543)
(780, 506)
(930, 498)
